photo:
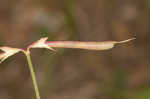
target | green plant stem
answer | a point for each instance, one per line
(33, 75)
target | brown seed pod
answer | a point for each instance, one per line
(86, 45)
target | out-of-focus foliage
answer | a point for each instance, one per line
(120, 73)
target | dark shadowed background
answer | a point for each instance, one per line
(120, 73)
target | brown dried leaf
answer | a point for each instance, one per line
(7, 52)
(40, 44)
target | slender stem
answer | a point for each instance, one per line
(33, 75)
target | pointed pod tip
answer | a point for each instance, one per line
(128, 40)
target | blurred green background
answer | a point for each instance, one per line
(120, 73)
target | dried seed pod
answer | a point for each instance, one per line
(85, 45)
